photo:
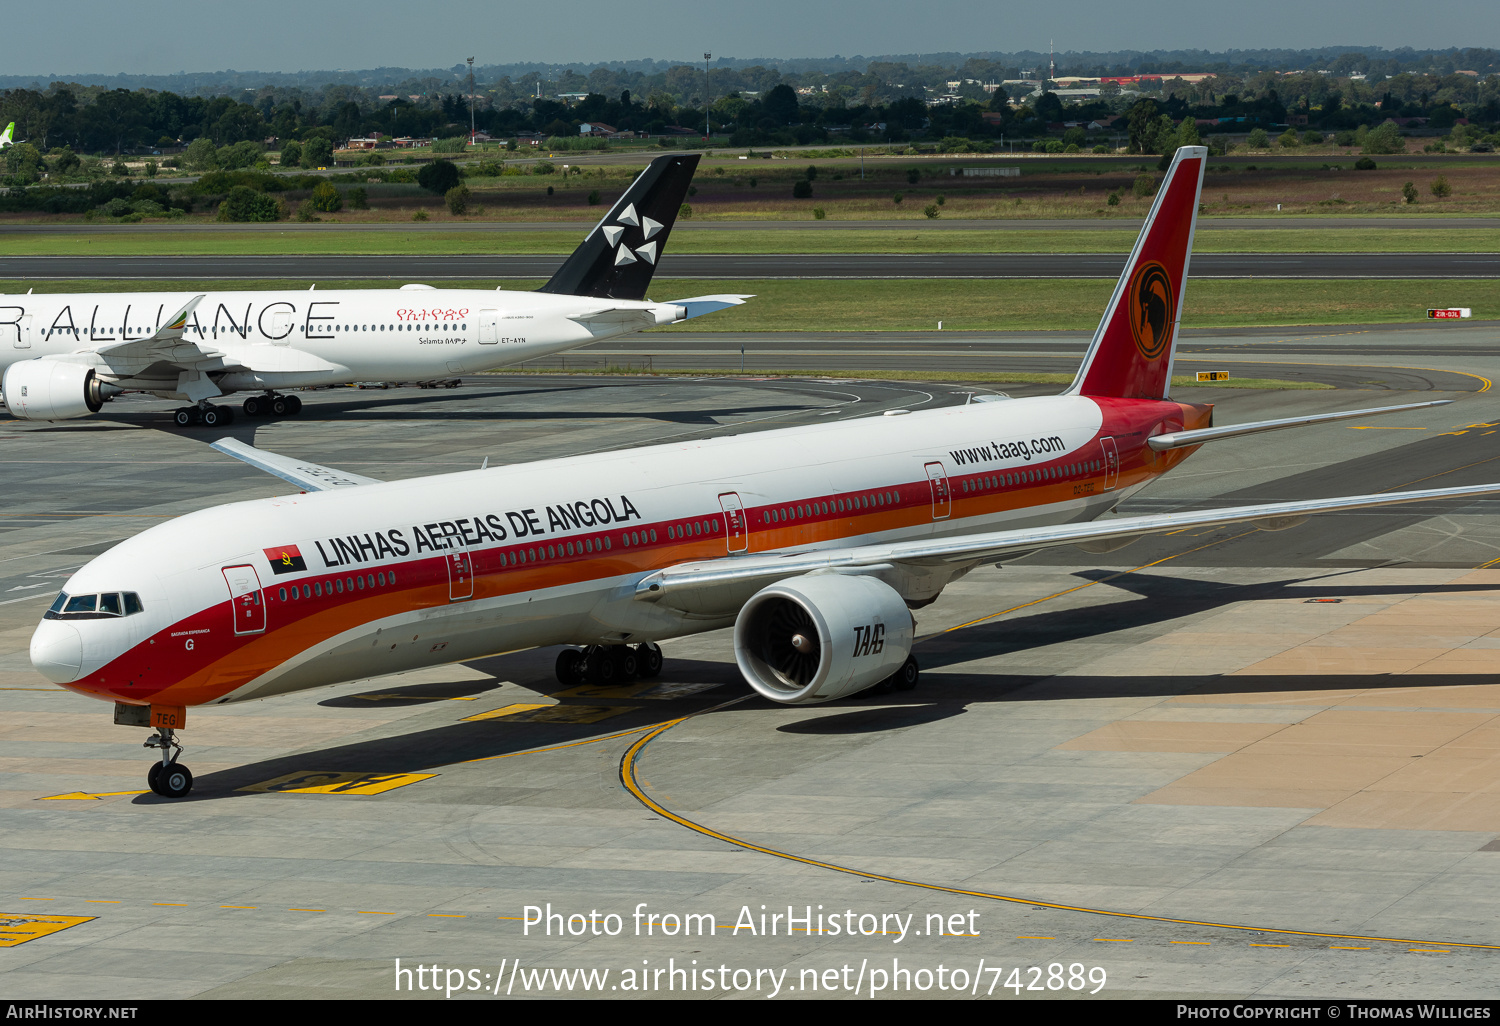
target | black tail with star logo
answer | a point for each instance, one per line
(617, 259)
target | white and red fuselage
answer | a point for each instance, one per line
(301, 339)
(275, 595)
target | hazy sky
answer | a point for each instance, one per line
(165, 36)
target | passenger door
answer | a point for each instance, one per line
(1111, 461)
(460, 575)
(281, 327)
(245, 596)
(942, 499)
(736, 534)
(489, 327)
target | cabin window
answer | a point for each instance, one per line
(281, 594)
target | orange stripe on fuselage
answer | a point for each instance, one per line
(221, 661)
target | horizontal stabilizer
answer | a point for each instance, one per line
(310, 477)
(697, 306)
(1178, 439)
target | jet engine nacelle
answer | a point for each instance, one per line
(818, 638)
(53, 390)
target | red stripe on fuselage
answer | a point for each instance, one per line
(220, 661)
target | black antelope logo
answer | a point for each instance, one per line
(1151, 309)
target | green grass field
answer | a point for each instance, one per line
(965, 304)
(332, 241)
(977, 377)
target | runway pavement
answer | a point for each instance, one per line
(1234, 763)
(768, 265)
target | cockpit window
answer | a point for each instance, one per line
(94, 607)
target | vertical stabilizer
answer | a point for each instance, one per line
(1133, 349)
(618, 257)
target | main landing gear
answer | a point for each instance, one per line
(167, 778)
(272, 404)
(904, 679)
(605, 665)
(204, 413)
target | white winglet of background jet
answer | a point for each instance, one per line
(65, 355)
(813, 543)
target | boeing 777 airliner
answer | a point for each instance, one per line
(814, 543)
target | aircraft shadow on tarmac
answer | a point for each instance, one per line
(941, 695)
(1161, 600)
(244, 428)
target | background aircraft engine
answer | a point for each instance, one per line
(53, 390)
(818, 638)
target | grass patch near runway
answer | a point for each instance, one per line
(976, 377)
(961, 304)
(333, 242)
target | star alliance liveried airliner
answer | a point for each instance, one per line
(814, 543)
(66, 355)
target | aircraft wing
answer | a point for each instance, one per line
(310, 477)
(680, 586)
(169, 345)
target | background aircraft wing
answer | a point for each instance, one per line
(310, 477)
(142, 357)
(683, 586)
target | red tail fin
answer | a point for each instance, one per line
(1131, 355)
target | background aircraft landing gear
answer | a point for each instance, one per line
(272, 404)
(168, 778)
(206, 414)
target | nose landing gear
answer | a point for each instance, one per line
(167, 778)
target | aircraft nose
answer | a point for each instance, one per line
(57, 651)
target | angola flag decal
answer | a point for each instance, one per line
(285, 560)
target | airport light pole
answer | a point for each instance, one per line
(471, 101)
(706, 58)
